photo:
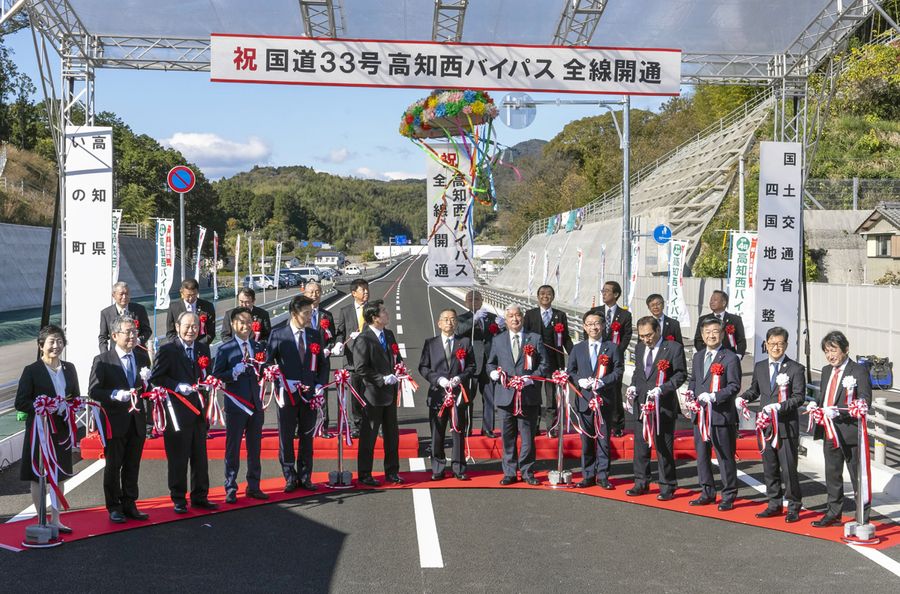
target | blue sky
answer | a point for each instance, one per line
(227, 128)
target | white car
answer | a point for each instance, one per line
(260, 281)
(352, 270)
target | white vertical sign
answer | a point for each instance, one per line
(165, 261)
(450, 203)
(780, 245)
(250, 260)
(635, 264)
(87, 241)
(676, 308)
(237, 265)
(601, 279)
(532, 261)
(546, 267)
(277, 263)
(578, 259)
(116, 222)
(201, 235)
(741, 285)
(215, 266)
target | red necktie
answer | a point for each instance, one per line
(832, 386)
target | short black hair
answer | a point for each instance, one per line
(248, 292)
(298, 303)
(616, 287)
(542, 287)
(653, 297)
(357, 283)
(723, 294)
(710, 320)
(48, 331)
(371, 310)
(777, 331)
(190, 284)
(836, 338)
(238, 311)
(591, 312)
(649, 321)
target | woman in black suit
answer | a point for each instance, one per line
(48, 376)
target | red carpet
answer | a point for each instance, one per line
(95, 521)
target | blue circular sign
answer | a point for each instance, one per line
(662, 234)
(181, 179)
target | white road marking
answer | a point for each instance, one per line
(68, 487)
(426, 528)
(402, 347)
(399, 329)
(400, 318)
(872, 554)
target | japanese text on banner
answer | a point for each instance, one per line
(450, 242)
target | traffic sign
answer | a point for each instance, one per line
(400, 240)
(181, 179)
(662, 234)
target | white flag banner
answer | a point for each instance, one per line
(601, 278)
(411, 64)
(165, 261)
(676, 308)
(635, 265)
(546, 267)
(780, 244)
(201, 235)
(114, 246)
(450, 201)
(237, 265)
(250, 260)
(741, 285)
(532, 261)
(277, 263)
(578, 260)
(215, 266)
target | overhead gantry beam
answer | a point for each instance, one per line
(322, 18)
(578, 21)
(449, 16)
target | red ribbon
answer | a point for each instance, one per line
(763, 421)
(405, 382)
(315, 349)
(203, 318)
(324, 324)
(256, 326)
(729, 332)
(42, 444)
(342, 382)
(529, 353)
(615, 327)
(559, 329)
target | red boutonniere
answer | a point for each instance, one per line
(256, 326)
(137, 324)
(203, 362)
(615, 326)
(559, 328)
(603, 359)
(494, 329)
(461, 354)
(260, 357)
(729, 329)
(529, 349)
(203, 318)
(717, 369)
(670, 337)
(395, 348)
(315, 349)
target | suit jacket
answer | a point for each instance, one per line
(371, 363)
(259, 314)
(844, 423)
(433, 365)
(246, 385)
(325, 314)
(533, 322)
(580, 368)
(109, 314)
(623, 317)
(282, 350)
(761, 389)
(723, 411)
(671, 327)
(176, 308)
(728, 319)
(669, 351)
(35, 381)
(346, 324)
(480, 335)
(107, 376)
(172, 367)
(501, 357)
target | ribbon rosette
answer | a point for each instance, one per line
(529, 356)
(395, 351)
(559, 329)
(257, 329)
(494, 329)
(615, 327)
(729, 332)
(662, 366)
(782, 380)
(203, 363)
(158, 398)
(765, 420)
(594, 404)
(670, 337)
(325, 325)
(461, 357)
(315, 349)
(717, 370)
(271, 385)
(203, 318)
(406, 385)
(602, 365)
(561, 380)
(342, 383)
(849, 384)
(68, 410)
(42, 445)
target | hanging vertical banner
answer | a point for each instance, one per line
(741, 285)
(635, 264)
(451, 242)
(215, 266)
(780, 245)
(532, 261)
(578, 259)
(114, 246)
(676, 308)
(278, 264)
(201, 235)
(546, 267)
(556, 273)
(165, 261)
(262, 257)
(250, 260)
(87, 245)
(237, 265)
(601, 279)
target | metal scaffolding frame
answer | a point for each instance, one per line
(578, 21)
(320, 19)
(449, 16)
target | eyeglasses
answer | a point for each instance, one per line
(592, 324)
(776, 345)
(131, 332)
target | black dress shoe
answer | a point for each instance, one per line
(792, 517)
(702, 501)
(637, 491)
(605, 484)
(826, 521)
(769, 512)
(488, 433)
(307, 485)
(257, 494)
(618, 433)
(532, 481)
(180, 508)
(369, 481)
(726, 506)
(585, 483)
(290, 486)
(394, 478)
(205, 504)
(354, 434)
(328, 435)
(508, 480)
(437, 476)
(63, 529)
(135, 514)
(668, 496)
(117, 517)
(462, 476)
(231, 497)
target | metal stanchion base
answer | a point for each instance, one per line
(340, 480)
(860, 534)
(41, 537)
(560, 480)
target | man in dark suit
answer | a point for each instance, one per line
(734, 338)
(518, 354)
(543, 320)
(834, 400)
(115, 382)
(444, 370)
(350, 322)
(670, 328)
(595, 366)
(293, 347)
(616, 329)
(321, 320)
(780, 400)
(189, 302)
(477, 324)
(716, 393)
(659, 370)
(244, 415)
(176, 368)
(247, 299)
(122, 305)
(374, 358)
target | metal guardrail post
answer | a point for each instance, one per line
(880, 428)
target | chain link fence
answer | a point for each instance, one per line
(850, 194)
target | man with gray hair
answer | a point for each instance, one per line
(122, 305)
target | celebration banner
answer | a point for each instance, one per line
(165, 261)
(601, 279)
(277, 264)
(676, 308)
(532, 261)
(546, 267)
(215, 266)
(237, 265)
(451, 242)
(578, 260)
(741, 285)
(250, 260)
(116, 222)
(201, 235)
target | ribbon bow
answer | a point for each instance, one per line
(42, 448)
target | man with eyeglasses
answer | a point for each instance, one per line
(779, 383)
(191, 303)
(617, 328)
(247, 299)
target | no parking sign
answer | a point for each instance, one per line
(181, 179)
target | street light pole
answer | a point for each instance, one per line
(626, 195)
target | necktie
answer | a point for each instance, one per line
(383, 342)
(774, 375)
(608, 317)
(246, 350)
(448, 344)
(648, 364)
(707, 362)
(129, 368)
(190, 353)
(515, 347)
(546, 317)
(832, 386)
(359, 318)
(301, 346)
(594, 354)
(315, 319)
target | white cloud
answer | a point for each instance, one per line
(337, 155)
(369, 173)
(217, 156)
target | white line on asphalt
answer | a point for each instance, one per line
(68, 487)
(873, 555)
(9, 548)
(402, 347)
(400, 318)
(399, 329)
(751, 482)
(427, 292)
(426, 528)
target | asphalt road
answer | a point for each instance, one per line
(497, 540)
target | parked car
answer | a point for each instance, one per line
(291, 278)
(352, 270)
(259, 281)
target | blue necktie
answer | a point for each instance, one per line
(382, 340)
(774, 375)
(129, 368)
(190, 353)
(594, 348)
(315, 321)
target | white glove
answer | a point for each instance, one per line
(585, 383)
(654, 393)
(501, 323)
(705, 397)
(338, 349)
(455, 381)
(772, 408)
(291, 385)
(327, 352)
(629, 406)
(353, 335)
(390, 380)
(480, 314)
(495, 375)
(319, 390)
(811, 406)
(184, 389)
(239, 369)
(831, 411)
(739, 403)
(122, 395)
(443, 382)
(598, 383)
(631, 393)
(527, 381)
